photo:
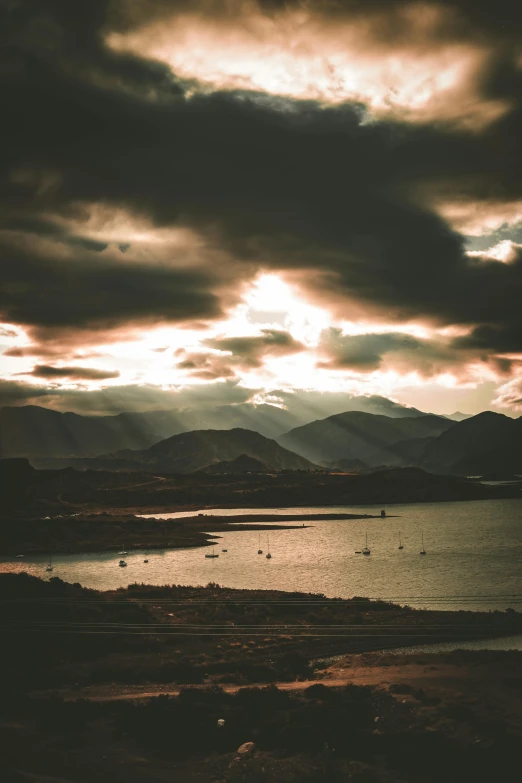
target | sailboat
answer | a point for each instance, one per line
(259, 551)
(122, 564)
(268, 555)
(49, 566)
(212, 554)
(366, 550)
(400, 542)
(423, 551)
(123, 551)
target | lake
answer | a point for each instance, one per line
(473, 560)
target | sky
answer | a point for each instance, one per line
(206, 203)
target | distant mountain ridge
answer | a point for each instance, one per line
(353, 441)
(32, 431)
(478, 445)
(360, 436)
(458, 416)
(35, 432)
(486, 443)
(189, 452)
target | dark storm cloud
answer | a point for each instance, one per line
(501, 18)
(72, 373)
(41, 350)
(280, 184)
(239, 353)
(46, 228)
(367, 351)
(401, 352)
(250, 351)
(207, 366)
(45, 290)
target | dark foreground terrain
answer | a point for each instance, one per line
(83, 672)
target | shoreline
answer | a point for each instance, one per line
(236, 518)
(143, 532)
(229, 635)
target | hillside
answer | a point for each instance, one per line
(458, 416)
(44, 435)
(359, 436)
(40, 433)
(191, 451)
(486, 443)
(31, 431)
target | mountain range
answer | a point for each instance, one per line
(483, 444)
(353, 441)
(190, 452)
(488, 443)
(40, 433)
(360, 436)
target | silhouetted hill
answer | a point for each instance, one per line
(404, 453)
(486, 443)
(44, 435)
(359, 436)
(31, 431)
(191, 451)
(458, 416)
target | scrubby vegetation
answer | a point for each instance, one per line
(352, 734)
(63, 635)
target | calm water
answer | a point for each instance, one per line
(473, 561)
(505, 643)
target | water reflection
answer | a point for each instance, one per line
(473, 562)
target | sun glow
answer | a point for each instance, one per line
(298, 55)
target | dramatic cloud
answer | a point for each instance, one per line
(250, 351)
(413, 60)
(366, 352)
(46, 287)
(158, 157)
(75, 373)
(207, 367)
(237, 353)
(510, 395)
